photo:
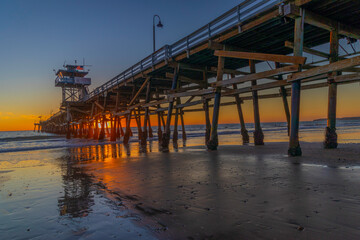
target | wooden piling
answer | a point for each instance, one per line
(138, 124)
(175, 133)
(151, 135)
(182, 125)
(284, 100)
(113, 129)
(159, 116)
(207, 121)
(80, 129)
(75, 126)
(294, 145)
(118, 133)
(258, 133)
(121, 129)
(102, 130)
(330, 131)
(90, 130)
(107, 127)
(68, 130)
(163, 121)
(166, 134)
(96, 130)
(213, 143)
(128, 129)
(146, 116)
(244, 132)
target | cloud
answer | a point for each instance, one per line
(30, 117)
(5, 117)
(9, 113)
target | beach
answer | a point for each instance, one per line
(222, 120)
(237, 192)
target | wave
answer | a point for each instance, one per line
(69, 145)
(30, 138)
(30, 143)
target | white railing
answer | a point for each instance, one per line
(245, 10)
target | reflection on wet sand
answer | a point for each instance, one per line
(244, 192)
(114, 150)
(78, 199)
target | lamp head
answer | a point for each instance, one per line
(160, 25)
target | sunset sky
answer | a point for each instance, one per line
(38, 36)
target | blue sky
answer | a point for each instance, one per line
(38, 36)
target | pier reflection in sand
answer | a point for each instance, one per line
(235, 192)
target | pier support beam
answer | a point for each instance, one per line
(151, 135)
(113, 129)
(330, 134)
(138, 124)
(294, 145)
(244, 132)
(213, 143)
(68, 130)
(144, 135)
(102, 130)
(122, 133)
(128, 129)
(159, 115)
(117, 127)
(90, 130)
(284, 99)
(175, 133)
(75, 130)
(207, 121)
(107, 128)
(96, 130)
(81, 129)
(258, 133)
(166, 134)
(183, 125)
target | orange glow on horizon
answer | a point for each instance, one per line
(313, 106)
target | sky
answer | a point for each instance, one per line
(37, 36)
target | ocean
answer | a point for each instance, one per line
(310, 131)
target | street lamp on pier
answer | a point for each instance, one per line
(160, 25)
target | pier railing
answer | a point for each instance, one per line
(245, 10)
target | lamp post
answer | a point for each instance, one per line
(160, 25)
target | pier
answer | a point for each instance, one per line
(220, 65)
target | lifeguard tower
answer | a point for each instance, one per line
(73, 82)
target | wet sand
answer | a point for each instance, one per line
(237, 192)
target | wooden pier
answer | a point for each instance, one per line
(208, 68)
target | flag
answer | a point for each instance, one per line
(80, 68)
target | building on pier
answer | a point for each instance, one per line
(73, 83)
